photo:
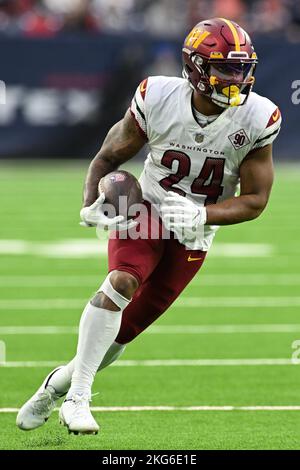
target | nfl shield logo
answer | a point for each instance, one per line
(199, 138)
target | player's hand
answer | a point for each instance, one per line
(93, 216)
(182, 216)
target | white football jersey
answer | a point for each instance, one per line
(199, 163)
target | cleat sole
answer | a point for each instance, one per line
(82, 433)
(76, 433)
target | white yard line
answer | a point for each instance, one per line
(196, 408)
(69, 248)
(51, 281)
(166, 363)
(91, 247)
(237, 302)
(239, 250)
(246, 280)
(181, 302)
(38, 330)
(201, 280)
(104, 409)
(222, 329)
(160, 329)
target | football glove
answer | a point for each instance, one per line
(93, 216)
(182, 216)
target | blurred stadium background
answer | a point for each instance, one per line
(71, 68)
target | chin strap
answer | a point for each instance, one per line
(229, 97)
(233, 93)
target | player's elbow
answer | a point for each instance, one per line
(255, 213)
(257, 205)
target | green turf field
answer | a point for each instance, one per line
(227, 342)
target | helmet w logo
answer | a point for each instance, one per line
(195, 37)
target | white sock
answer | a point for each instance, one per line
(97, 330)
(61, 380)
(112, 355)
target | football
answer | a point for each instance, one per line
(117, 184)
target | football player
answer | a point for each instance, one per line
(208, 133)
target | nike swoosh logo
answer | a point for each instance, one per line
(193, 259)
(275, 115)
(143, 86)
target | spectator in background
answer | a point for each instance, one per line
(293, 31)
(113, 15)
(37, 22)
(270, 15)
(26, 17)
(202, 9)
(73, 15)
(254, 15)
(164, 18)
(233, 9)
(11, 11)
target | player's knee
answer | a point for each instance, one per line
(101, 300)
(116, 291)
(124, 283)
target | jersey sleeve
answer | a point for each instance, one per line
(138, 108)
(270, 131)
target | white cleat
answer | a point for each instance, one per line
(75, 414)
(36, 411)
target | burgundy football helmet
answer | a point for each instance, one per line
(219, 61)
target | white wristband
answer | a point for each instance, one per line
(202, 215)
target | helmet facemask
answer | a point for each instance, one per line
(231, 82)
(227, 82)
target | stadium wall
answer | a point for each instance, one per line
(63, 93)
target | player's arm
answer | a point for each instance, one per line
(122, 143)
(256, 178)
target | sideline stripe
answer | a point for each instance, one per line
(161, 329)
(168, 363)
(187, 302)
(203, 280)
(246, 279)
(234, 33)
(91, 248)
(233, 302)
(180, 408)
